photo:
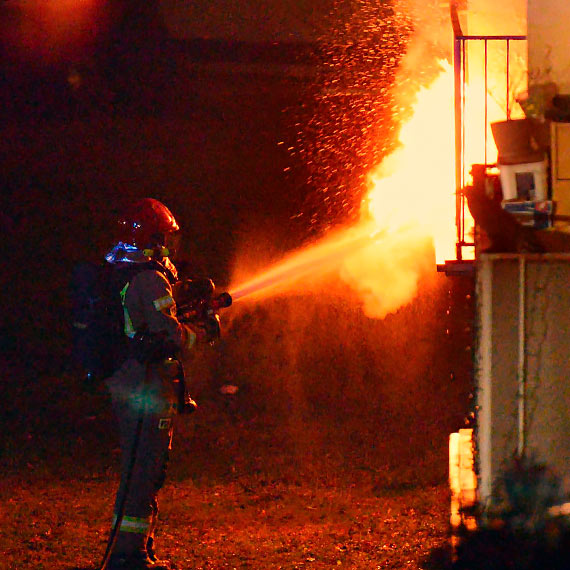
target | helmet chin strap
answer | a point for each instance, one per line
(157, 252)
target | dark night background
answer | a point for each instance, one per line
(227, 132)
(148, 118)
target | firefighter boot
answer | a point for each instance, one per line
(152, 555)
(138, 561)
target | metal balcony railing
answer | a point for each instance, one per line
(460, 66)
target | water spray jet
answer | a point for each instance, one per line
(318, 257)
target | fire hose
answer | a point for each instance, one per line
(120, 513)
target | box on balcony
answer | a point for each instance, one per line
(536, 214)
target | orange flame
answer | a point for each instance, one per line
(414, 187)
(412, 202)
(412, 196)
(410, 206)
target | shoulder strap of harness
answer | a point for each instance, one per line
(123, 277)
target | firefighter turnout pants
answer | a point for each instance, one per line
(141, 394)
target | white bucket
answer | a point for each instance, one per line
(524, 181)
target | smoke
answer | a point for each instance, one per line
(428, 44)
(386, 274)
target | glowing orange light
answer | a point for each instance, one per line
(412, 200)
(414, 187)
(51, 29)
(410, 206)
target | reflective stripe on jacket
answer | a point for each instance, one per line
(148, 303)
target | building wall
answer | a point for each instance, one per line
(248, 20)
(548, 42)
(547, 329)
(490, 17)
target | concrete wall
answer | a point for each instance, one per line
(547, 330)
(549, 43)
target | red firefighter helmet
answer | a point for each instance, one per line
(147, 225)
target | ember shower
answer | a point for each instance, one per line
(374, 62)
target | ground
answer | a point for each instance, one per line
(223, 506)
(246, 523)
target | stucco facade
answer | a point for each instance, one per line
(549, 43)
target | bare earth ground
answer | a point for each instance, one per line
(245, 523)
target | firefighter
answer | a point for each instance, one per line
(144, 389)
